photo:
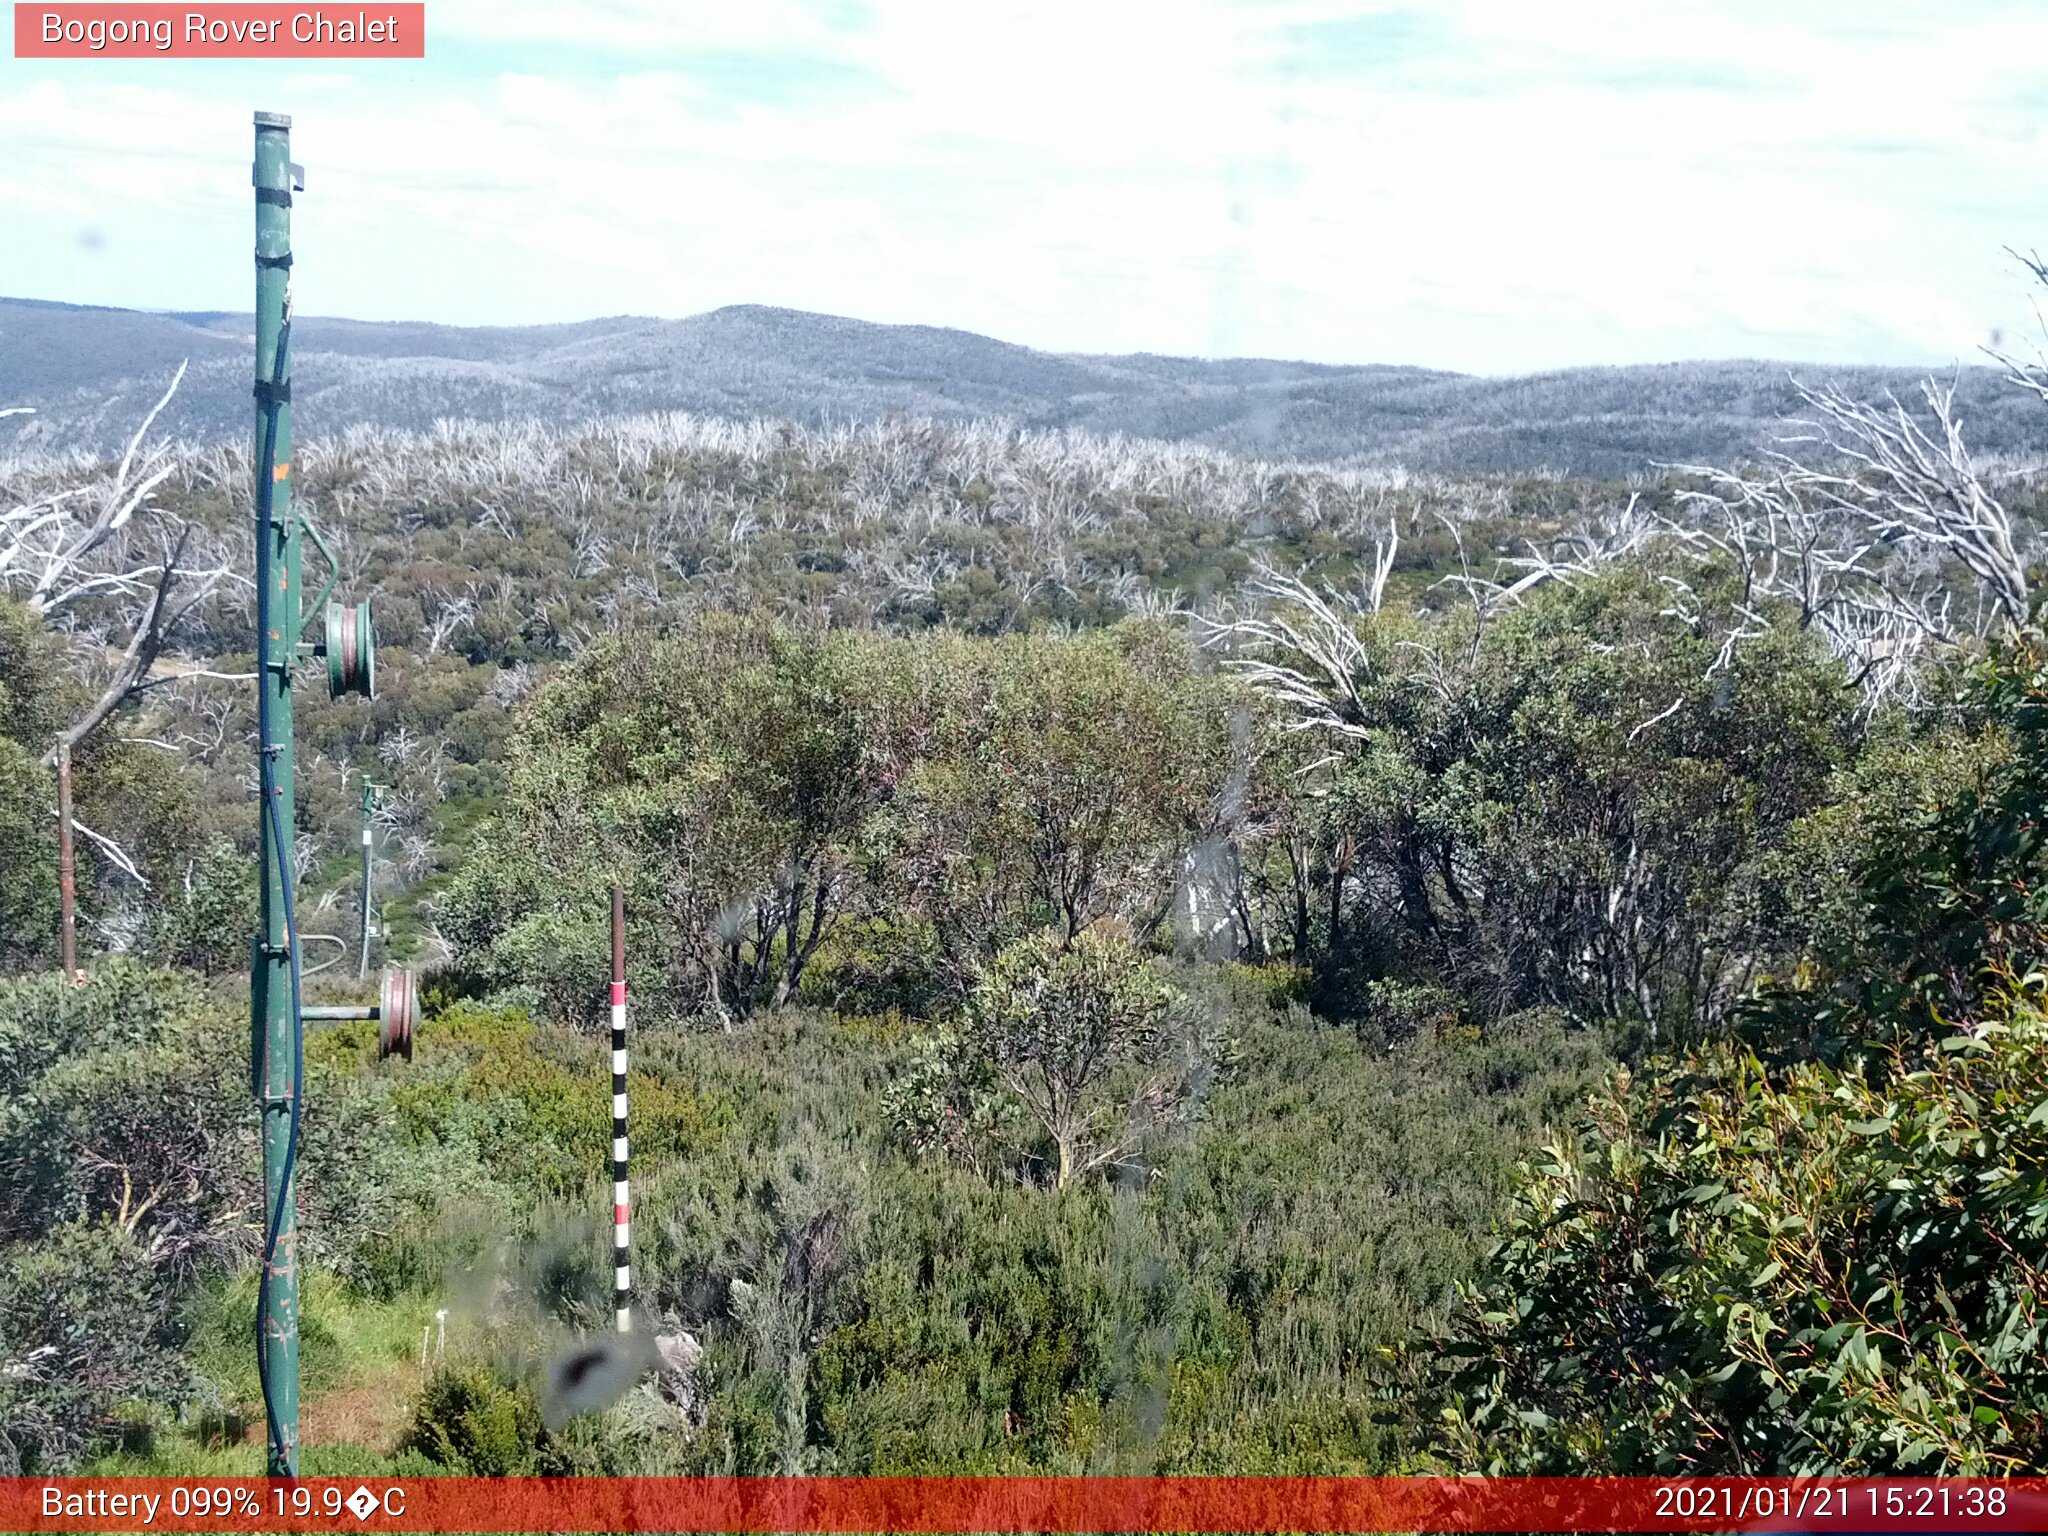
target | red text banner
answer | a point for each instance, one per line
(1021, 1504)
(115, 31)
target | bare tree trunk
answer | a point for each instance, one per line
(67, 884)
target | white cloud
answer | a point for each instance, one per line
(1469, 184)
(634, 28)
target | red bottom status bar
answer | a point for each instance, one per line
(1024, 1504)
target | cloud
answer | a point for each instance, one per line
(629, 29)
(1463, 183)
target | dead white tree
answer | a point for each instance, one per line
(1306, 647)
(446, 615)
(2031, 376)
(1908, 486)
(1888, 542)
(1598, 541)
(47, 544)
(100, 560)
(103, 561)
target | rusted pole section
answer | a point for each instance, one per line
(67, 879)
(622, 1205)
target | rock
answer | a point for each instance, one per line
(677, 1356)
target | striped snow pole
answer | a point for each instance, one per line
(622, 1212)
(369, 809)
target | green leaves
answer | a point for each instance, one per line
(1578, 806)
(1081, 1039)
(754, 785)
(1879, 1189)
(1874, 1271)
(1948, 910)
(726, 773)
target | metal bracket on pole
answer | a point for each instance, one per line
(333, 565)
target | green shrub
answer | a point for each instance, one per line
(1723, 1272)
(126, 1099)
(876, 965)
(1821, 1256)
(206, 921)
(533, 1107)
(1080, 1039)
(1394, 1011)
(86, 1327)
(472, 1423)
(1277, 982)
(28, 852)
(44, 1018)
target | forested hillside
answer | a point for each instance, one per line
(1144, 959)
(89, 371)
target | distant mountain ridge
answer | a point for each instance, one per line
(90, 371)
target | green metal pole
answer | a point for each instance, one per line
(275, 1071)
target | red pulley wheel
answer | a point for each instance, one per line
(398, 1009)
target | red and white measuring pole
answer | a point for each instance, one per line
(622, 1204)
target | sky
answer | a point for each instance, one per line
(1493, 186)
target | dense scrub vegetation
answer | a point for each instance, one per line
(1104, 1001)
(1815, 1246)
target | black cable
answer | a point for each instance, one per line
(267, 787)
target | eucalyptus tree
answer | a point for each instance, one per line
(722, 773)
(1560, 790)
(1050, 782)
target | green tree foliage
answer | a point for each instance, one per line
(753, 786)
(1820, 1252)
(1053, 782)
(1825, 1272)
(31, 696)
(1574, 804)
(1952, 906)
(147, 802)
(205, 923)
(1081, 1038)
(723, 774)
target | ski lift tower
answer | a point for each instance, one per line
(277, 1011)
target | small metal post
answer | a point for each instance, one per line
(369, 803)
(622, 1205)
(67, 880)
